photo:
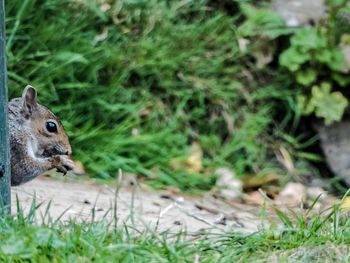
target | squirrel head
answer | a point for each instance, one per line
(46, 130)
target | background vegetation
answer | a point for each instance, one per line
(146, 85)
(171, 90)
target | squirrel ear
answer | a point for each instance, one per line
(29, 100)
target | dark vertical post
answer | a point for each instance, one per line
(5, 193)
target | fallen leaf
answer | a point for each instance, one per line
(243, 43)
(285, 159)
(194, 160)
(102, 36)
(192, 163)
(263, 53)
(253, 182)
(105, 7)
(345, 204)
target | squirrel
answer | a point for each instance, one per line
(38, 141)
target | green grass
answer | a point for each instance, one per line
(310, 237)
(162, 75)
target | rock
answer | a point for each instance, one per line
(335, 143)
(221, 220)
(229, 186)
(316, 192)
(293, 194)
(299, 12)
(319, 194)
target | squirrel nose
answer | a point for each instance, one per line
(68, 152)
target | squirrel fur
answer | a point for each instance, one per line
(38, 140)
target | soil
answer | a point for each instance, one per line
(135, 206)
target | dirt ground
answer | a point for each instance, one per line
(136, 206)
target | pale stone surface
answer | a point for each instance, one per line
(293, 194)
(229, 186)
(136, 207)
(299, 12)
(140, 208)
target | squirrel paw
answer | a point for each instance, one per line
(62, 163)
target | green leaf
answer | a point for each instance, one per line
(262, 21)
(248, 10)
(342, 80)
(17, 247)
(345, 39)
(308, 39)
(293, 58)
(306, 77)
(324, 56)
(328, 105)
(332, 57)
(70, 57)
(338, 60)
(304, 105)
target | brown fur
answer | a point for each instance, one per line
(34, 149)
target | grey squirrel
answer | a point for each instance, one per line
(38, 140)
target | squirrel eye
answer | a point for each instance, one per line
(51, 126)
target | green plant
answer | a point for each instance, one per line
(136, 82)
(316, 61)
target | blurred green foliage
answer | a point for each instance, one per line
(136, 82)
(315, 57)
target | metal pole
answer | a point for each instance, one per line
(5, 191)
